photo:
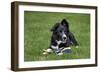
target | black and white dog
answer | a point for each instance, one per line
(61, 38)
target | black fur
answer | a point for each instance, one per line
(57, 35)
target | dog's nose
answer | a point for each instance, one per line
(65, 38)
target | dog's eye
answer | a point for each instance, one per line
(65, 31)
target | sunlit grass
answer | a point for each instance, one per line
(37, 35)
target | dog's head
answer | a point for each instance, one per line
(61, 30)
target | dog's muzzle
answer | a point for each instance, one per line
(64, 37)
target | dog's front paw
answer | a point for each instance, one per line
(59, 54)
(76, 46)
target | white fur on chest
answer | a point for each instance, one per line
(59, 42)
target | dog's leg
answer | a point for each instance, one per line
(56, 49)
(66, 50)
(60, 52)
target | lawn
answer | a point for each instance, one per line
(37, 34)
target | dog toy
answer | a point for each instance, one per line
(67, 50)
(58, 51)
(47, 51)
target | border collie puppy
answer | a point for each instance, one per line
(61, 38)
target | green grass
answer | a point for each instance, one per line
(37, 34)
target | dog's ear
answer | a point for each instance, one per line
(65, 23)
(55, 27)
